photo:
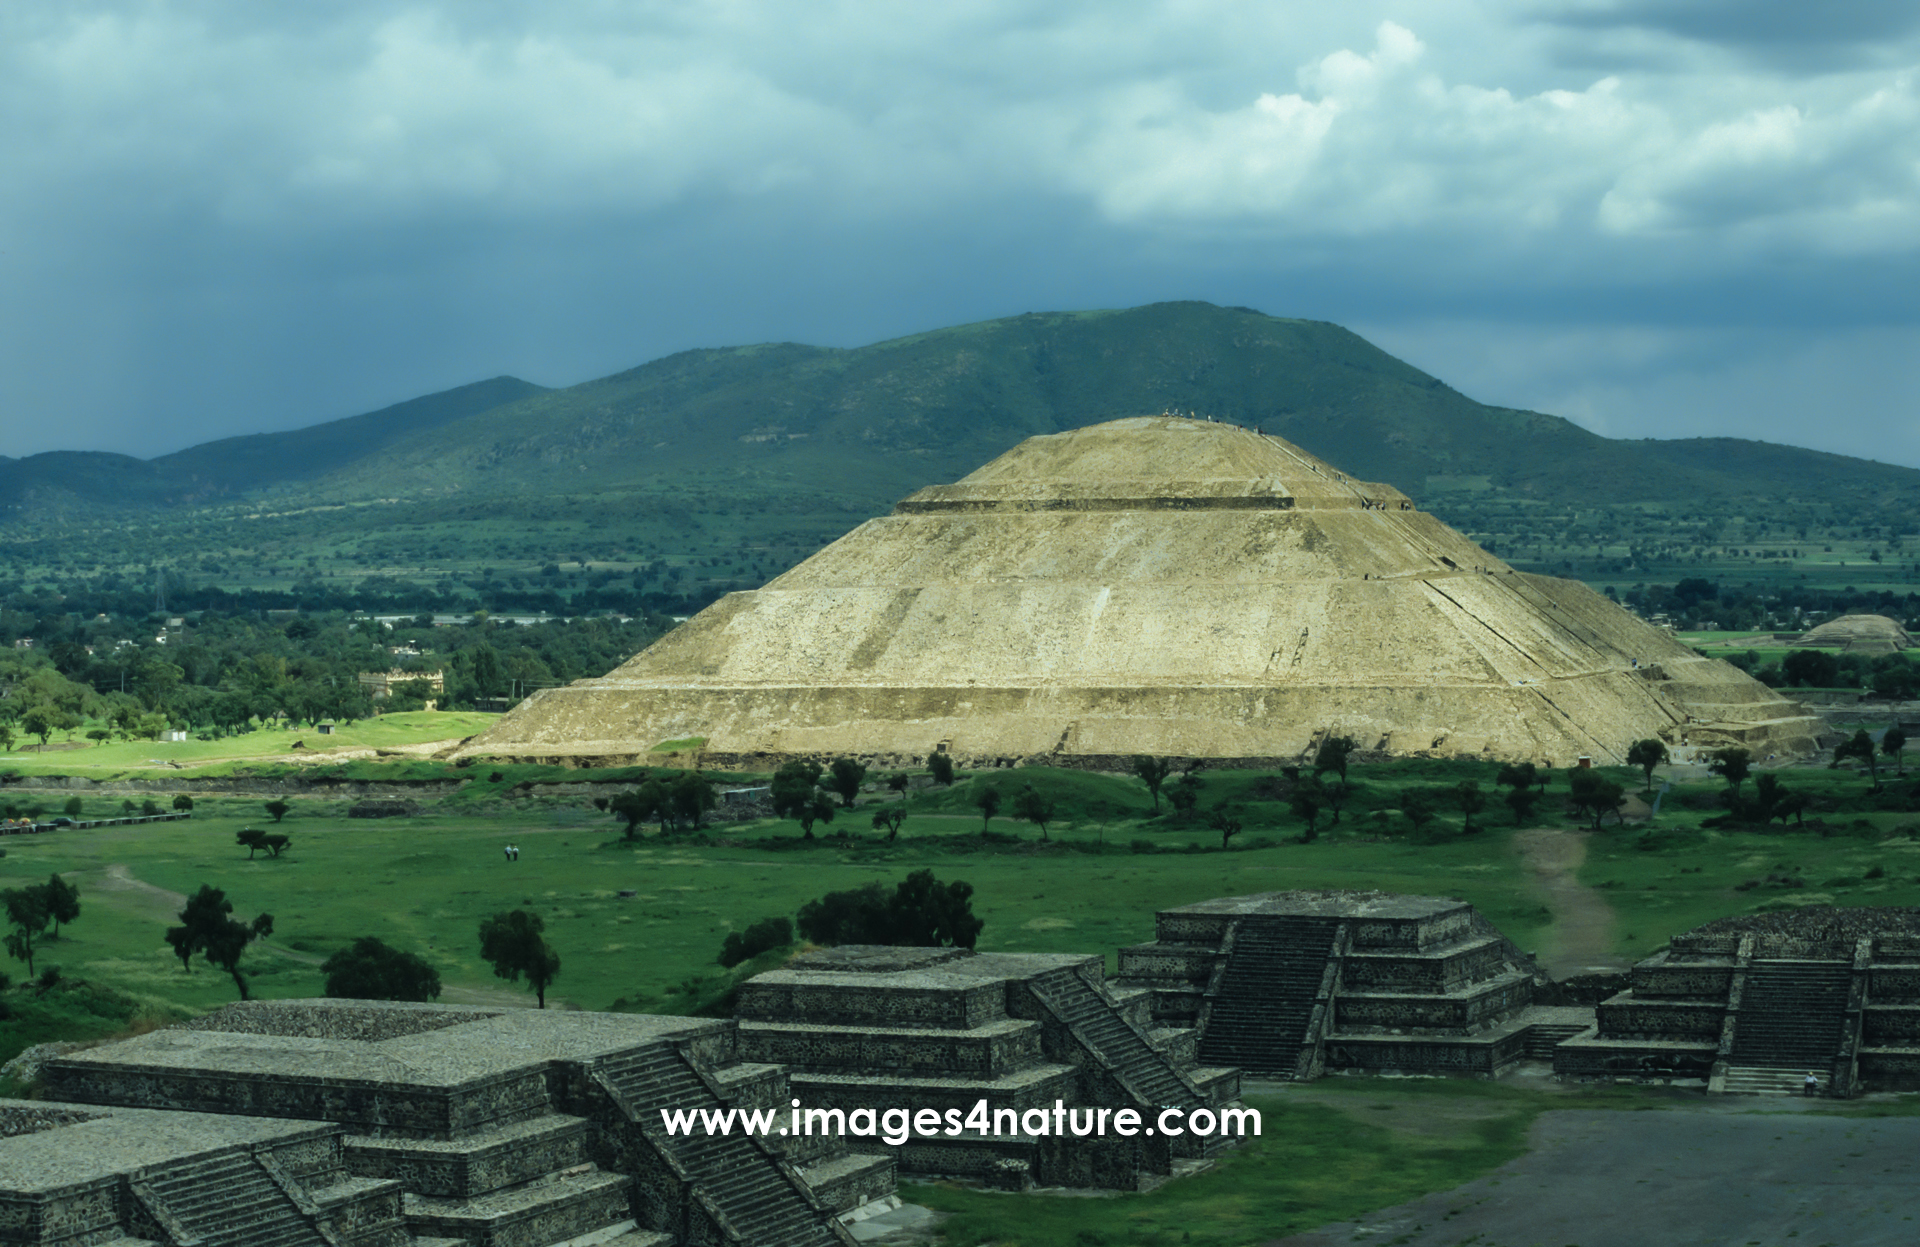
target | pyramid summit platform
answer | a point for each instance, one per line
(1154, 585)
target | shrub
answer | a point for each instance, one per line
(763, 936)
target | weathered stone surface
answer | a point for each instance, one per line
(1155, 586)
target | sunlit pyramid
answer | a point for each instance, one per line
(1155, 585)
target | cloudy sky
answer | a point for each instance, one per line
(1655, 217)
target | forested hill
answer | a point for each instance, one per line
(879, 421)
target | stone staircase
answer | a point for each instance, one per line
(763, 1201)
(1127, 1053)
(1762, 1080)
(1257, 1016)
(225, 1199)
(1791, 1014)
(1544, 1037)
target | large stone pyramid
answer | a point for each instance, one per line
(1155, 585)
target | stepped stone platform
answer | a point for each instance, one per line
(943, 1029)
(1153, 585)
(86, 1174)
(1754, 1003)
(516, 1128)
(1297, 984)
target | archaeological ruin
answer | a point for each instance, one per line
(1163, 586)
(1858, 634)
(360, 1124)
(1754, 1003)
(1299, 984)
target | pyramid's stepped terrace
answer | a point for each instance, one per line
(1160, 586)
(523, 1128)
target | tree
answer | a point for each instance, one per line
(1860, 746)
(1185, 794)
(1732, 764)
(1595, 794)
(251, 840)
(182, 801)
(796, 795)
(1306, 800)
(987, 801)
(691, 795)
(921, 912)
(639, 805)
(1891, 743)
(941, 765)
(1812, 668)
(1471, 800)
(1030, 807)
(890, 819)
(763, 936)
(1521, 801)
(40, 720)
(847, 776)
(371, 970)
(1332, 755)
(1152, 772)
(62, 901)
(1415, 809)
(27, 918)
(278, 808)
(1769, 798)
(207, 926)
(511, 942)
(72, 808)
(1336, 796)
(1647, 754)
(1226, 821)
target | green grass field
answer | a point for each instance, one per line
(144, 758)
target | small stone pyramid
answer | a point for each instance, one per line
(1154, 585)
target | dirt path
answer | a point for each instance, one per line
(1580, 941)
(119, 878)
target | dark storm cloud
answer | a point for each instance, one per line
(1787, 33)
(221, 218)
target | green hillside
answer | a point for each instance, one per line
(714, 469)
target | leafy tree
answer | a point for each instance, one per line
(1185, 794)
(182, 801)
(1471, 800)
(371, 970)
(1332, 755)
(1030, 807)
(511, 942)
(921, 912)
(898, 783)
(278, 808)
(847, 776)
(251, 840)
(40, 720)
(1596, 795)
(797, 795)
(1647, 754)
(1861, 746)
(763, 936)
(1226, 821)
(1892, 742)
(941, 766)
(1336, 795)
(62, 900)
(1812, 668)
(1769, 796)
(987, 801)
(1521, 801)
(1415, 808)
(6, 737)
(692, 795)
(890, 819)
(73, 807)
(1733, 764)
(1152, 772)
(207, 926)
(1306, 801)
(27, 919)
(640, 805)
(273, 843)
